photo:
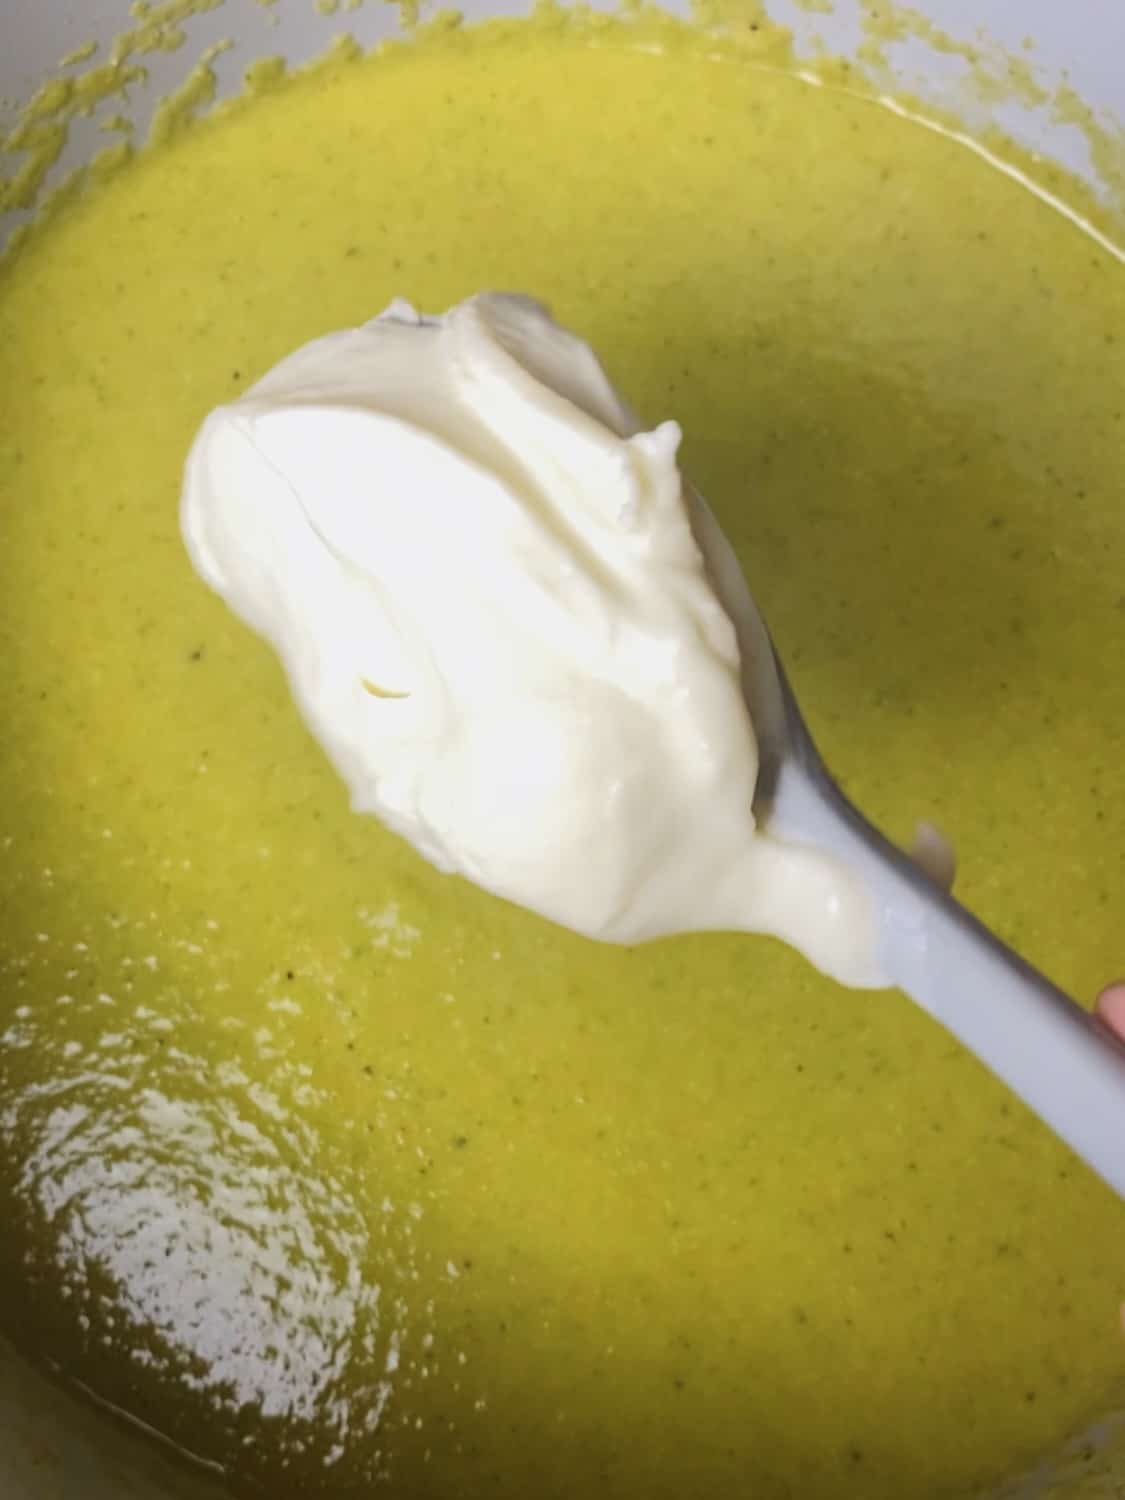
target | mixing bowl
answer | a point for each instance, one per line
(51, 1443)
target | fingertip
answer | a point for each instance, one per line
(1111, 1006)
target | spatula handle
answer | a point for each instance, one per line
(1061, 1060)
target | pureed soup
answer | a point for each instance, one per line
(336, 1171)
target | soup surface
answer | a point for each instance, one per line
(335, 1170)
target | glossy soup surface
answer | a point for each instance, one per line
(331, 1168)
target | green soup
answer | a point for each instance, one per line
(336, 1170)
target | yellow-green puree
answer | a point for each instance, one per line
(331, 1168)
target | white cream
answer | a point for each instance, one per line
(490, 593)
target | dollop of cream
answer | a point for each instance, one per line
(493, 597)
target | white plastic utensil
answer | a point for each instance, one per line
(1063, 1063)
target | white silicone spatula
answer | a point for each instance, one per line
(1050, 1051)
